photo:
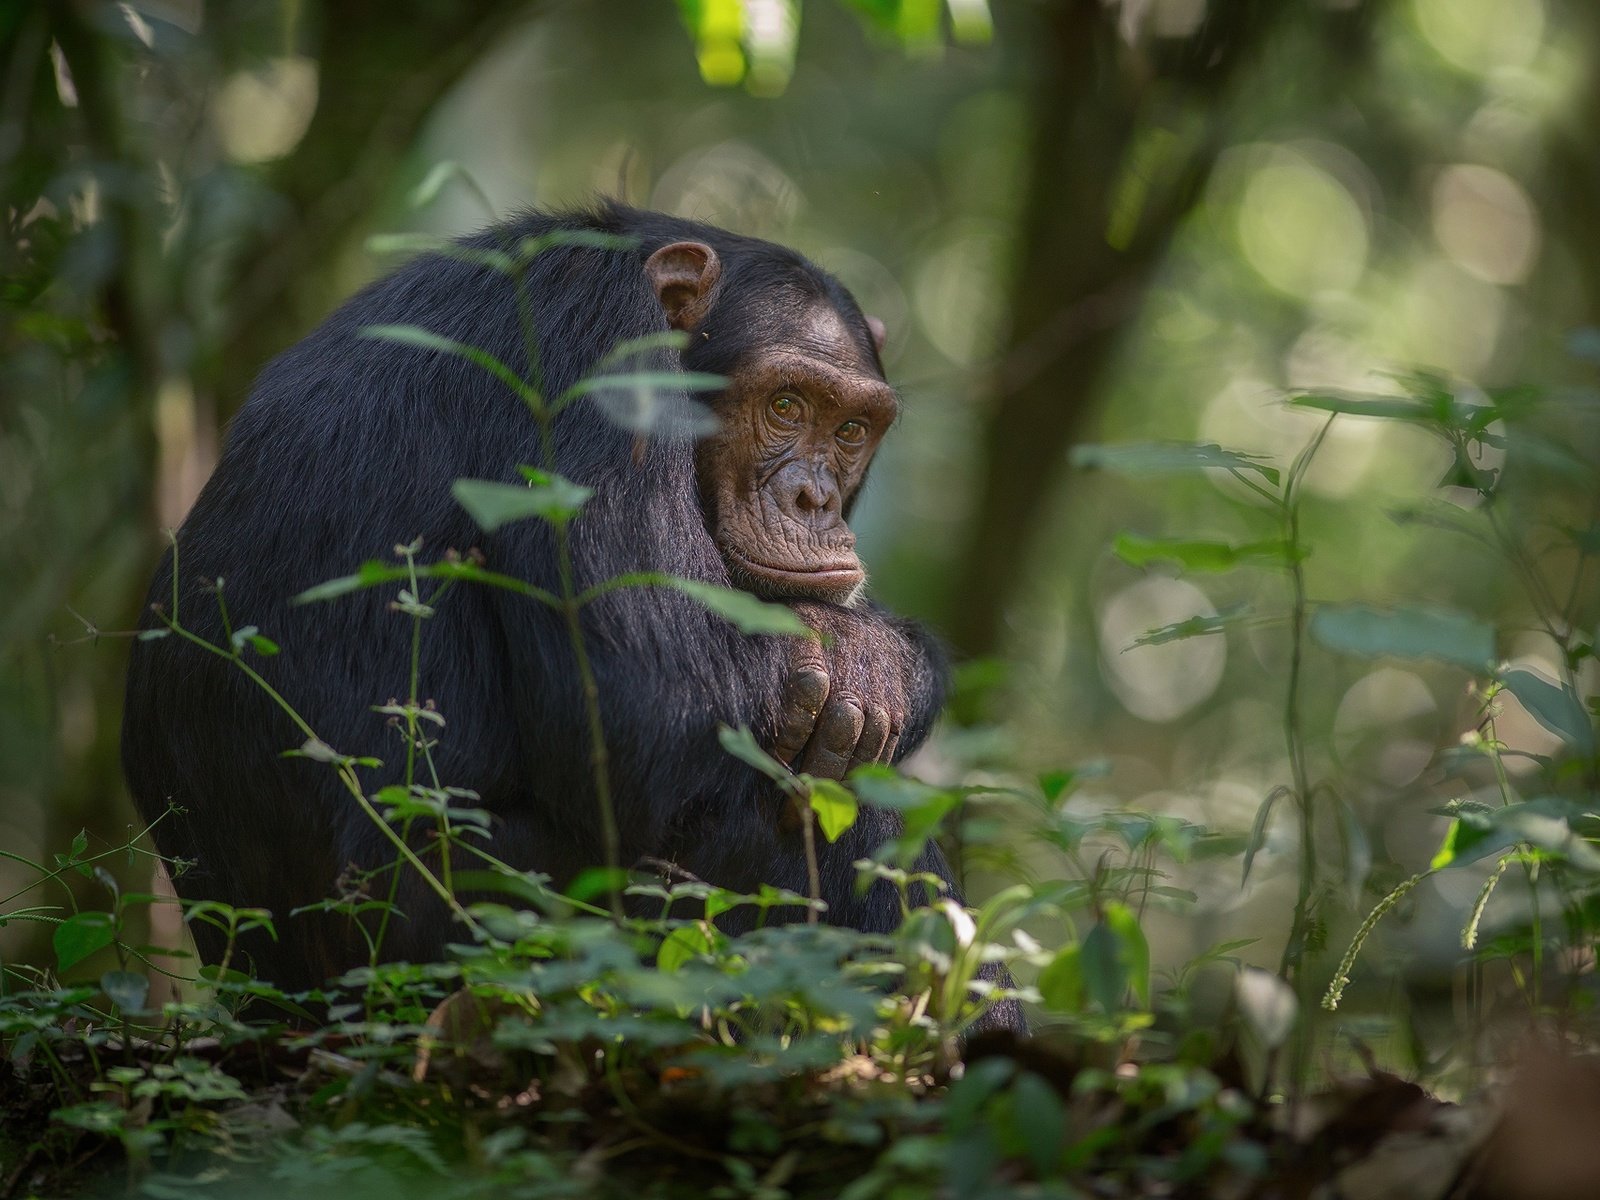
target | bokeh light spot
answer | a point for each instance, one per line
(263, 113)
(1387, 726)
(1485, 222)
(1479, 35)
(1159, 683)
(1300, 228)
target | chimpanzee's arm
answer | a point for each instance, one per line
(868, 690)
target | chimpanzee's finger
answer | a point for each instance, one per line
(874, 738)
(804, 693)
(893, 743)
(838, 730)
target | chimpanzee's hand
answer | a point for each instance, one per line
(845, 701)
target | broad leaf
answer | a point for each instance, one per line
(1135, 950)
(1433, 635)
(1555, 706)
(1061, 983)
(1041, 1120)
(1543, 823)
(80, 935)
(743, 611)
(1105, 971)
(1139, 551)
(128, 990)
(683, 945)
(741, 743)
(835, 807)
(423, 339)
(549, 497)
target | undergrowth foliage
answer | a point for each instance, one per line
(566, 1048)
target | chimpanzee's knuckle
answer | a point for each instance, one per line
(808, 688)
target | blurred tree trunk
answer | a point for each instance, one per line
(1126, 131)
(382, 69)
(1571, 196)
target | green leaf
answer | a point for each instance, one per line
(1543, 823)
(1134, 949)
(1434, 635)
(426, 192)
(1155, 458)
(1461, 842)
(1555, 706)
(743, 611)
(406, 243)
(153, 635)
(1105, 973)
(664, 381)
(741, 743)
(1054, 783)
(128, 990)
(682, 945)
(1258, 830)
(422, 339)
(553, 498)
(369, 574)
(1041, 1121)
(1197, 626)
(597, 881)
(1357, 405)
(835, 807)
(1139, 551)
(1061, 983)
(80, 935)
(674, 339)
(374, 574)
(969, 1094)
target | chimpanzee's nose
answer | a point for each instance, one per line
(816, 496)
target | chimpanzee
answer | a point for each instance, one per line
(349, 445)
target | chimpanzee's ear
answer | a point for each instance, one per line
(880, 332)
(684, 275)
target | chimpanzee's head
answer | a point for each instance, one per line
(805, 408)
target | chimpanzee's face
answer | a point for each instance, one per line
(801, 418)
(799, 425)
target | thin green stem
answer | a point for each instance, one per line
(572, 604)
(346, 773)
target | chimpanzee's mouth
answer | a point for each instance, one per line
(829, 579)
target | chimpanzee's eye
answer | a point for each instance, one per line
(852, 433)
(786, 406)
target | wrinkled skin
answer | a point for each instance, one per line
(799, 425)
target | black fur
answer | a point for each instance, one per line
(347, 447)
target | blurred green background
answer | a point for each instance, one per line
(1081, 221)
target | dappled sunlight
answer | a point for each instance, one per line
(1446, 318)
(730, 183)
(1299, 226)
(955, 289)
(1482, 35)
(1485, 222)
(1387, 726)
(262, 113)
(1158, 683)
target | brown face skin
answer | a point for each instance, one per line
(798, 429)
(799, 426)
